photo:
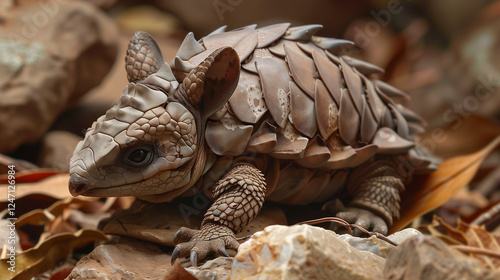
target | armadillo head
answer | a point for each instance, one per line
(147, 144)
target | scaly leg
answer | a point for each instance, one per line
(239, 196)
(375, 189)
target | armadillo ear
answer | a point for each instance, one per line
(143, 57)
(212, 82)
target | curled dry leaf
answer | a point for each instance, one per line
(58, 218)
(46, 254)
(48, 182)
(471, 239)
(41, 217)
(429, 191)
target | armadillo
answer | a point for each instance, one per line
(253, 114)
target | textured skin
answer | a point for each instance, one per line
(273, 112)
(143, 57)
(240, 196)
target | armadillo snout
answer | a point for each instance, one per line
(78, 185)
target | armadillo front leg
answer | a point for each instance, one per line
(376, 192)
(239, 196)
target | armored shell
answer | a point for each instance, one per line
(300, 100)
(301, 111)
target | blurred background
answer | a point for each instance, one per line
(62, 64)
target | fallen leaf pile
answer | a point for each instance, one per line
(50, 235)
(473, 240)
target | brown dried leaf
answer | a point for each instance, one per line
(447, 233)
(59, 225)
(46, 254)
(479, 243)
(429, 191)
(48, 182)
(43, 216)
(478, 236)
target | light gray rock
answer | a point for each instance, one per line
(403, 235)
(378, 246)
(303, 252)
(216, 269)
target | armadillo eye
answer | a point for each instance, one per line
(138, 156)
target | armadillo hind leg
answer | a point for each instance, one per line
(375, 188)
(239, 196)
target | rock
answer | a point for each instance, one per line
(135, 253)
(57, 149)
(427, 257)
(371, 244)
(158, 222)
(378, 246)
(51, 53)
(403, 235)
(300, 252)
(216, 269)
(129, 259)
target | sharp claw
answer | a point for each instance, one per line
(176, 237)
(224, 252)
(194, 258)
(175, 255)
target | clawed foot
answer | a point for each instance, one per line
(212, 238)
(364, 219)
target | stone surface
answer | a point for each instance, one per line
(216, 269)
(377, 246)
(158, 222)
(303, 252)
(57, 149)
(135, 253)
(129, 259)
(51, 53)
(427, 257)
(403, 235)
(371, 244)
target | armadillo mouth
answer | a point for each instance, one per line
(78, 191)
(105, 192)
